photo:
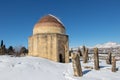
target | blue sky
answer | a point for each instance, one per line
(87, 22)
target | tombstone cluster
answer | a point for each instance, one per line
(83, 55)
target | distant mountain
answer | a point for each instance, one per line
(108, 45)
(103, 48)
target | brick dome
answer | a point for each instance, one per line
(49, 24)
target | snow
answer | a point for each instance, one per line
(108, 45)
(104, 45)
(34, 68)
(56, 18)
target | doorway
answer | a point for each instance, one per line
(61, 58)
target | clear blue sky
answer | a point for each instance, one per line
(87, 22)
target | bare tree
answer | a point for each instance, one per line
(10, 50)
(23, 51)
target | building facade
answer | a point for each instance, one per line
(49, 40)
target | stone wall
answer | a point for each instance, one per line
(47, 29)
(63, 49)
(49, 45)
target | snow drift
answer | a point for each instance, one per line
(33, 68)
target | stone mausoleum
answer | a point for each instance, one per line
(49, 40)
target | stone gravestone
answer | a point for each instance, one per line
(96, 59)
(109, 58)
(76, 65)
(113, 64)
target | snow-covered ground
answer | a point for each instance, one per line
(33, 68)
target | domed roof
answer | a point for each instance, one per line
(49, 24)
(51, 19)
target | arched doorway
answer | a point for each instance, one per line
(61, 55)
(60, 58)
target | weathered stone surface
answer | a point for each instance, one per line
(109, 58)
(49, 41)
(83, 51)
(96, 59)
(85, 58)
(113, 69)
(76, 65)
(79, 52)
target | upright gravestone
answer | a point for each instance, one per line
(83, 51)
(109, 58)
(96, 59)
(113, 64)
(76, 65)
(79, 52)
(85, 59)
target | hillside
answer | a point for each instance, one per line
(108, 45)
(33, 68)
